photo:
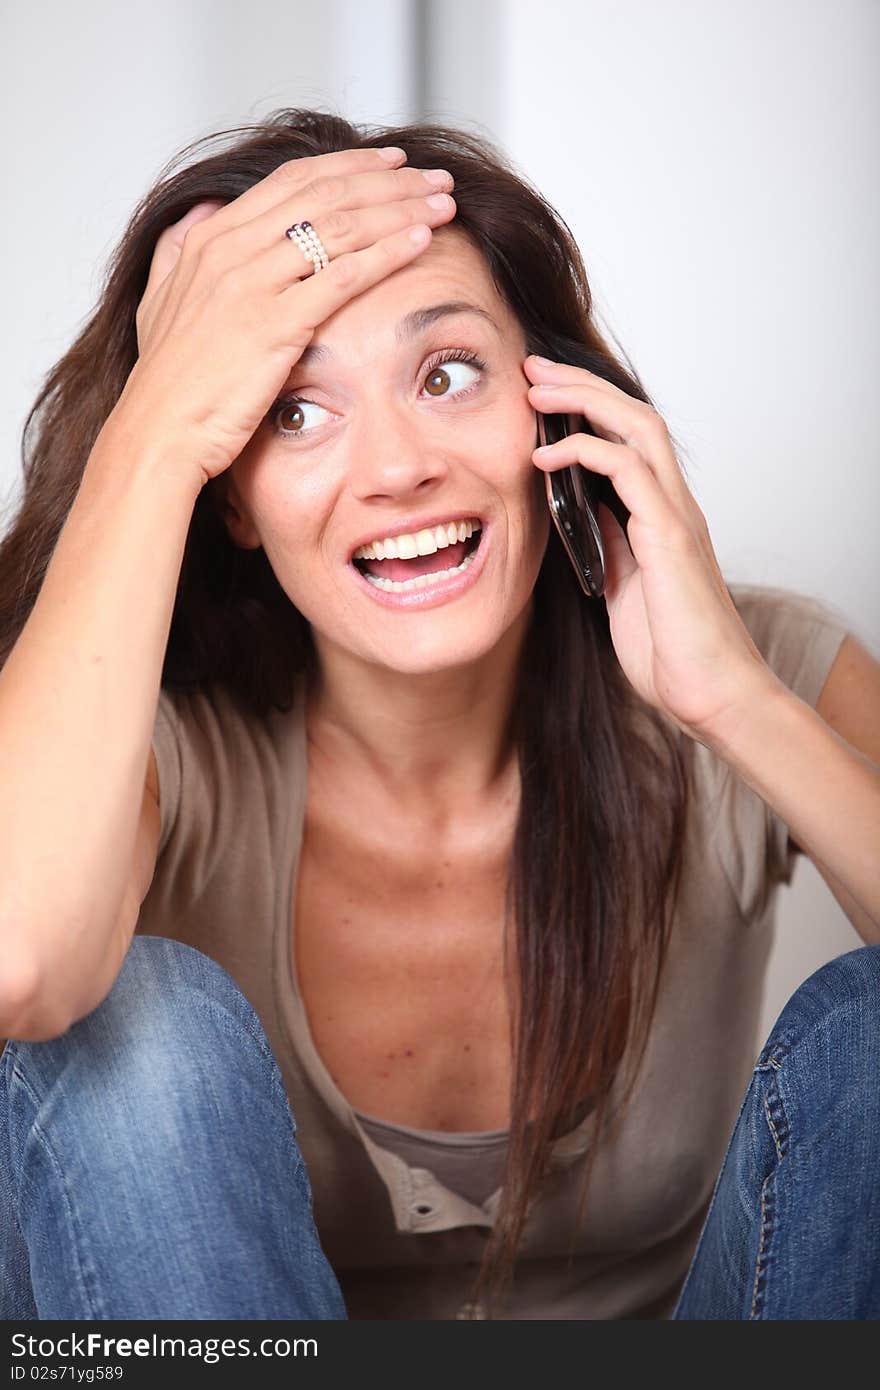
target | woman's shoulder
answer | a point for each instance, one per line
(212, 711)
(798, 634)
(771, 609)
(215, 757)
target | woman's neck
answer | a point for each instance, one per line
(448, 732)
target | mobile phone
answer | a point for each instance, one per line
(573, 495)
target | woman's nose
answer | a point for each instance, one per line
(393, 456)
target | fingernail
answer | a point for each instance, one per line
(545, 361)
(392, 153)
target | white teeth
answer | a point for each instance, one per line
(421, 581)
(424, 542)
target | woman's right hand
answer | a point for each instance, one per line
(231, 303)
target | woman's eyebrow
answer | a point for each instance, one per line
(416, 321)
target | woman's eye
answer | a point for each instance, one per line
(438, 375)
(290, 417)
(287, 413)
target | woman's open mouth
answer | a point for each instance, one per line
(423, 564)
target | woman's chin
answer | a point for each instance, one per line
(432, 656)
(453, 642)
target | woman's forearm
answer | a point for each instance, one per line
(78, 700)
(826, 791)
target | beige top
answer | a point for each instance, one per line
(403, 1244)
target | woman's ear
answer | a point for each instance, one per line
(232, 512)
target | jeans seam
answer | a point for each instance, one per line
(758, 1267)
(780, 1133)
(779, 1150)
(711, 1204)
(37, 1130)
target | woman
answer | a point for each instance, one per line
(472, 874)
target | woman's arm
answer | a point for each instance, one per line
(684, 647)
(78, 700)
(819, 770)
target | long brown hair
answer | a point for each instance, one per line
(596, 858)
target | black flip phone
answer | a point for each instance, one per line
(574, 494)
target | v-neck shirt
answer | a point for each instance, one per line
(403, 1215)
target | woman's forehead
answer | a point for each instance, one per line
(453, 257)
(448, 278)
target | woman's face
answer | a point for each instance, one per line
(386, 440)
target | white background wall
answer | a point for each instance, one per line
(716, 162)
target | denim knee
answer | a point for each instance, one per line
(148, 1160)
(164, 1028)
(793, 1229)
(841, 998)
(824, 1052)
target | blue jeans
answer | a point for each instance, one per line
(149, 1169)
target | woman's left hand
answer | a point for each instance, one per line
(675, 629)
